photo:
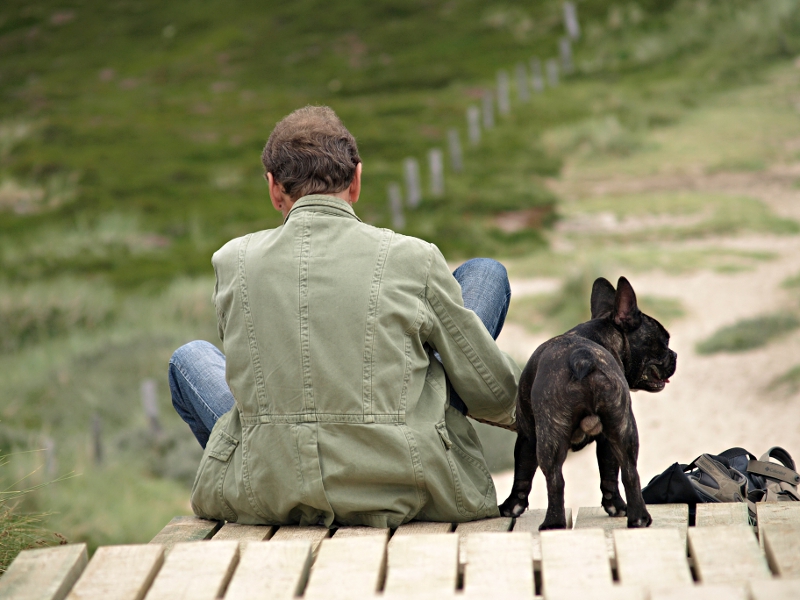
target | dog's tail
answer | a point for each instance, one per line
(581, 363)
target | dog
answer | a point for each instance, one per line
(575, 389)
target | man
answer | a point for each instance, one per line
(332, 402)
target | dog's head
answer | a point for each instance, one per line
(648, 363)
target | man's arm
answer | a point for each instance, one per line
(484, 377)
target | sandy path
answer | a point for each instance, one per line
(713, 402)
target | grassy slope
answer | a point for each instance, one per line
(147, 146)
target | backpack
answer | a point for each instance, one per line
(731, 476)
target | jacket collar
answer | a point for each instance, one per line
(323, 203)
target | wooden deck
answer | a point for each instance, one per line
(597, 558)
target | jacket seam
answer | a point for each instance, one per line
(372, 317)
(305, 335)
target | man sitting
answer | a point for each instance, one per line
(352, 356)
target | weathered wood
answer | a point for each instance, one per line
(651, 558)
(119, 572)
(721, 513)
(776, 513)
(501, 565)
(314, 534)
(195, 571)
(348, 568)
(344, 532)
(615, 592)
(726, 554)
(782, 547)
(44, 573)
(464, 530)
(244, 533)
(574, 561)
(529, 522)
(422, 527)
(185, 529)
(775, 589)
(274, 571)
(702, 592)
(422, 564)
(670, 516)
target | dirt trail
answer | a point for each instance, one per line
(713, 402)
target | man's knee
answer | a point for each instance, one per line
(486, 269)
(191, 353)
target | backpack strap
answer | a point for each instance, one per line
(773, 471)
(781, 480)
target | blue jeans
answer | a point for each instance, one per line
(201, 395)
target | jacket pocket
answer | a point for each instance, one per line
(208, 498)
(470, 478)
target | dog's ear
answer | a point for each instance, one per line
(626, 313)
(602, 302)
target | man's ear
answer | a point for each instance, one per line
(626, 312)
(602, 302)
(354, 191)
(276, 193)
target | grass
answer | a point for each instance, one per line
(788, 382)
(749, 334)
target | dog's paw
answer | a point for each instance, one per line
(644, 521)
(513, 507)
(552, 525)
(614, 506)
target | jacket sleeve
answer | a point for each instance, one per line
(484, 377)
(224, 262)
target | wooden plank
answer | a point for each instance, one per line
(464, 530)
(422, 528)
(422, 564)
(651, 558)
(44, 573)
(274, 571)
(777, 513)
(350, 567)
(501, 565)
(726, 554)
(703, 592)
(119, 572)
(669, 516)
(574, 561)
(721, 513)
(195, 571)
(244, 533)
(782, 547)
(314, 534)
(775, 589)
(615, 592)
(529, 522)
(344, 532)
(185, 529)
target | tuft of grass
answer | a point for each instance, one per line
(789, 381)
(748, 334)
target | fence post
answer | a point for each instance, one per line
(413, 187)
(488, 110)
(396, 206)
(436, 165)
(537, 81)
(474, 125)
(147, 390)
(565, 49)
(552, 72)
(571, 20)
(523, 91)
(503, 100)
(454, 145)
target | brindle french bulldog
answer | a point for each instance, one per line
(575, 389)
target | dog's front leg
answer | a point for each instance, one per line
(608, 465)
(525, 465)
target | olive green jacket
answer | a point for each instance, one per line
(342, 415)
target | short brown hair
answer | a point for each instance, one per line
(310, 151)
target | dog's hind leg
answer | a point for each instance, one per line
(525, 464)
(551, 460)
(608, 465)
(624, 443)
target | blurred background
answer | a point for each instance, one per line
(658, 139)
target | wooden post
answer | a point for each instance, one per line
(150, 405)
(97, 442)
(571, 21)
(396, 205)
(488, 110)
(454, 145)
(552, 72)
(413, 187)
(537, 81)
(503, 100)
(523, 91)
(565, 49)
(436, 165)
(474, 125)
